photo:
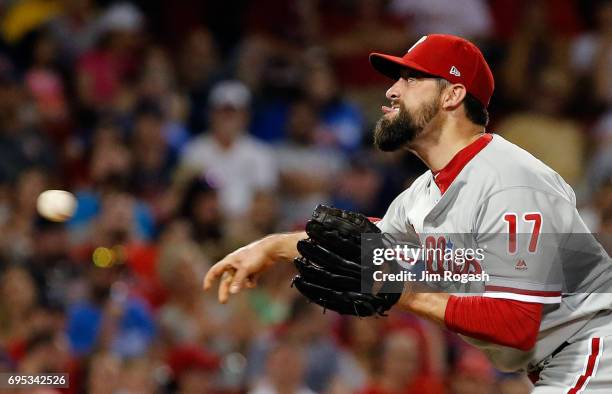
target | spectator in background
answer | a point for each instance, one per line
(288, 23)
(113, 237)
(103, 373)
(186, 317)
(76, 29)
(101, 71)
(201, 207)
(340, 122)
(236, 163)
(137, 376)
(192, 327)
(261, 64)
(111, 171)
(194, 370)
(591, 54)
(284, 371)
(17, 306)
(5, 207)
(22, 17)
(361, 342)
(560, 19)
(18, 231)
(352, 30)
(262, 217)
(466, 18)
(46, 351)
(55, 273)
(598, 213)
(359, 186)
(22, 145)
(604, 199)
(544, 130)
(110, 319)
(197, 65)
(598, 173)
(472, 374)
(309, 328)
(275, 76)
(158, 85)
(274, 304)
(539, 41)
(153, 157)
(434, 344)
(46, 85)
(308, 172)
(109, 374)
(117, 223)
(399, 368)
(78, 150)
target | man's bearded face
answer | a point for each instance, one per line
(394, 132)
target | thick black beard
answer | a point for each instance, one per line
(391, 135)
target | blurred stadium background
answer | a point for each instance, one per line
(188, 128)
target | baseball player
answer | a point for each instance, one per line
(560, 332)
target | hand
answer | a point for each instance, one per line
(240, 268)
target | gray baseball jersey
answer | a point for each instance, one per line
(494, 191)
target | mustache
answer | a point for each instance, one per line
(393, 134)
(398, 132)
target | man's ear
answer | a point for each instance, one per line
(453, 96)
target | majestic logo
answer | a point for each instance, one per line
(454, 71)
(521, 265)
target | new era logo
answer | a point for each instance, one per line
(454, 71)
(521, 265)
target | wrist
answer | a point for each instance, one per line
(431, 306)
(411, 301)
(414, 296)
(283, 247)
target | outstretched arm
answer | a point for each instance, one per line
(240, 268)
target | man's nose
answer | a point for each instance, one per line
(393, 91)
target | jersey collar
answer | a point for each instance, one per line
(447, 175)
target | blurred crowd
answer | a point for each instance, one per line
(189, 128)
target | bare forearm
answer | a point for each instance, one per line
(286, 245)
(431, 306)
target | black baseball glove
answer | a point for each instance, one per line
(330, 269)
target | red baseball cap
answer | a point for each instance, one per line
(450, 57)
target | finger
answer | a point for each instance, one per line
(214, 273)
(224, 286)
(238, 281)
(251, 282)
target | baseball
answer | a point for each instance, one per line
(56, 205)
